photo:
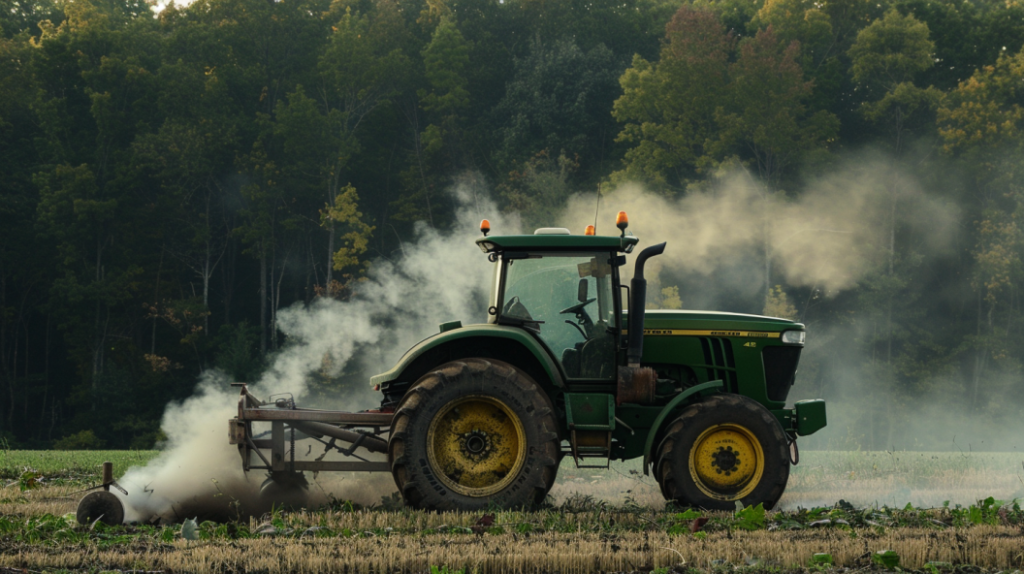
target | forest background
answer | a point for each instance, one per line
(173, 176)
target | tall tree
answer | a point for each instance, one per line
(886, 57)
(982, 124)
(668, 107)
(97, 65)
(557, 101)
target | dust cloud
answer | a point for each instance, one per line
(829, 235)
(436, 278)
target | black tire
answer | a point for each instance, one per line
(439, 465)
(102, 506)
(701, 439)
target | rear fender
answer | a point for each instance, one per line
(680, 399)
(509, 344)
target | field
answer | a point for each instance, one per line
(854, 510)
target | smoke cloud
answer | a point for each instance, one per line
(436, 278)
(829, 236)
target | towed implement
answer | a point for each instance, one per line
(478, 416)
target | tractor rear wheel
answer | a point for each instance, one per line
(724, 449)
(473, 434)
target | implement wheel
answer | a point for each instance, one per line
(724, 449)
(102, 506)
(474, 434)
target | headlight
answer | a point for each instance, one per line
(794, 337)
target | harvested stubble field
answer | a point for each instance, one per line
(599, 521)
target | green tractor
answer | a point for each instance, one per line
(479, 416)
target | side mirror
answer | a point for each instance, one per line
(581, 293)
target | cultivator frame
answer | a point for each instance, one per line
(364, 430)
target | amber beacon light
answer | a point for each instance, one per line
(622, 222)
(485, 227)
(589, 230)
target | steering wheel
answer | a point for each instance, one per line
(577, 308)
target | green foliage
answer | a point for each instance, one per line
(445, 59)
(887, 559)
(76, 466)
(82, 440)
(984, 512)
(891, 51)
(556, 106)
(682, 522)
(749, 518)
(821, 559)
(238, 351)
(663, 136)
(748, 102)
(29, 480)
(446, 570)
(539, 187)
(887, 56)
(344, 211)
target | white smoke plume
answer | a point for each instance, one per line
(437, 278)
(829, 235)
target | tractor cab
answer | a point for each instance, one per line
(565, 290)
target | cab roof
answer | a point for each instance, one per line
(498, 243)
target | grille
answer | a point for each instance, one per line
(719, 360)
(779, 370)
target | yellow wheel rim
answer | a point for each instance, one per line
(476, 445)
(726, 462)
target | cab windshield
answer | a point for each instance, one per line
(568, 300)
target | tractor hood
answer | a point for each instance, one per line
(716, 321)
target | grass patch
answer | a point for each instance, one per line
(551, 540)
(81, 465)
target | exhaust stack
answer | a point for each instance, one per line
(638, 300)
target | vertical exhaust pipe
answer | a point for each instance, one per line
(637, 303)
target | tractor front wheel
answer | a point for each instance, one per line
(724, 449)
(473, 434)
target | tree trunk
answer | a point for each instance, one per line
(272, 301)
(3, 339)
(227, 274)
(12, 382)
(46, 375)
(263, 298)
(98, 339)
(277, 302)
(980, 357)
(207, 271)
(156, 302)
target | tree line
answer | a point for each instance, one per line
(172, 176)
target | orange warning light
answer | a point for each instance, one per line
(622, 221)
(589, 230)
(485, 227)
